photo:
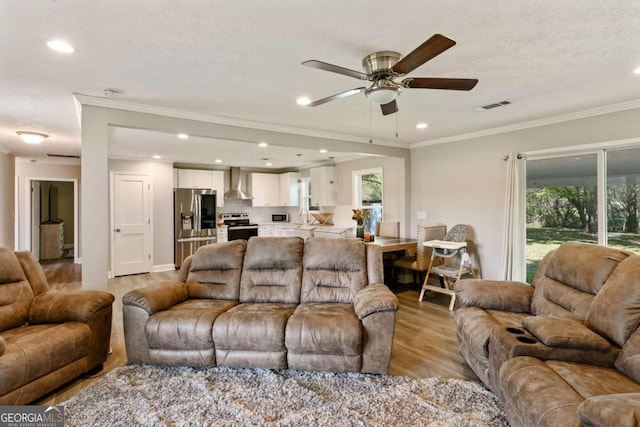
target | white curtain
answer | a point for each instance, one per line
(514, 241)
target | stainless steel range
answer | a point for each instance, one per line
(240, 226)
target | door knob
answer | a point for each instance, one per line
(117, 230)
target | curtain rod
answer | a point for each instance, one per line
(506, 156)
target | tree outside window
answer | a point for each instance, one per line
(368, 193)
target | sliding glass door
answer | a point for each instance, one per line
(623, 195)
(562, 204)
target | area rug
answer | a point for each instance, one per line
(178, 396)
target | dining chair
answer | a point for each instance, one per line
(419, 262)
(387, 229)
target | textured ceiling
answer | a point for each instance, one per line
(241, 60)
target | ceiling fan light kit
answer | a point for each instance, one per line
(381, 68)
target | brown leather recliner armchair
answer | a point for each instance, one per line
(47, 337)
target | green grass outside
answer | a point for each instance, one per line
(541, 240)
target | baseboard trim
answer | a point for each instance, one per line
(163, 267)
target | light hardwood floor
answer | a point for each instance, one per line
(424, 343)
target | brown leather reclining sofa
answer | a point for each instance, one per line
(564, 351)
(47, 337)
(274, 302)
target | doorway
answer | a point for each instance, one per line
(52, 225)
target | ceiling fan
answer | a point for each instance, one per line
(381, 68)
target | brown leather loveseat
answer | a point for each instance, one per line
(274, 302)
(47, 337)
(565, 350)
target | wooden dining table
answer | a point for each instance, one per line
(392, 244)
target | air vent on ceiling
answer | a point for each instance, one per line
(68, 156)
(491, 106)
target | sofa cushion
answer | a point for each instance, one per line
(620, 410)
(214, 271)
(584, 266)
(564, 332)
(334, 270)
(15, 292)
(615, 311)
(324, 328)
(548, 393)
(272, 270)
(253, 327)
(33, 271)
(185, 326)
(628, 360)
(31, 354)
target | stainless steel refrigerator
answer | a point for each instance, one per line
(195, 221)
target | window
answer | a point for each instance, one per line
(368, 195)
(305, 195)
(587, 197)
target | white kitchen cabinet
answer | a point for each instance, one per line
(217, 183)
(194, 178)
(281, 230)
(265, 189)
(265, 230)
(289, 189)
(222, 234)
(323, 186)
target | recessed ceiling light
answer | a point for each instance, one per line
(156, 156)
(32, 137)
(262, 144)
(60, 46)
(422, 125)
(636, 71)
(183, 136)
(268, 163)
(303, 100)
(324, 150)
(218, 160)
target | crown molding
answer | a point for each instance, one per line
(598, 111)
(96, 101)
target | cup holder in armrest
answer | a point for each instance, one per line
(526, 340)
(516, 331)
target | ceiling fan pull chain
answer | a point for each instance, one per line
(397, 125)
(370, 125)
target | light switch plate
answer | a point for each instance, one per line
(422, 215)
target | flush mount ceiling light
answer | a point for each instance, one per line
(303, 100)
(183, 136)
(422, 125)
(60, 46)
(32, 137)
(383, 92)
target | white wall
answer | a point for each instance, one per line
(25, 170)
(7, 198)
(464, 182)
(162, 187)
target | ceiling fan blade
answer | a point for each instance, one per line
(439, 83)
(389, 108)
(335, 69)
(423, 53)
(336, 96)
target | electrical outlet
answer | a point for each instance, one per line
(422, 215)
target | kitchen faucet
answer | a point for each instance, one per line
(306, 218)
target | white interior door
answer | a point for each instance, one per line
(35, 218)
(131, 224)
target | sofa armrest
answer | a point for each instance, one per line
(157, 297)
(373, 299)
(66, 306)
(557, 331)
(621, 410)
(494, 295)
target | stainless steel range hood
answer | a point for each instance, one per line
(238, 185)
